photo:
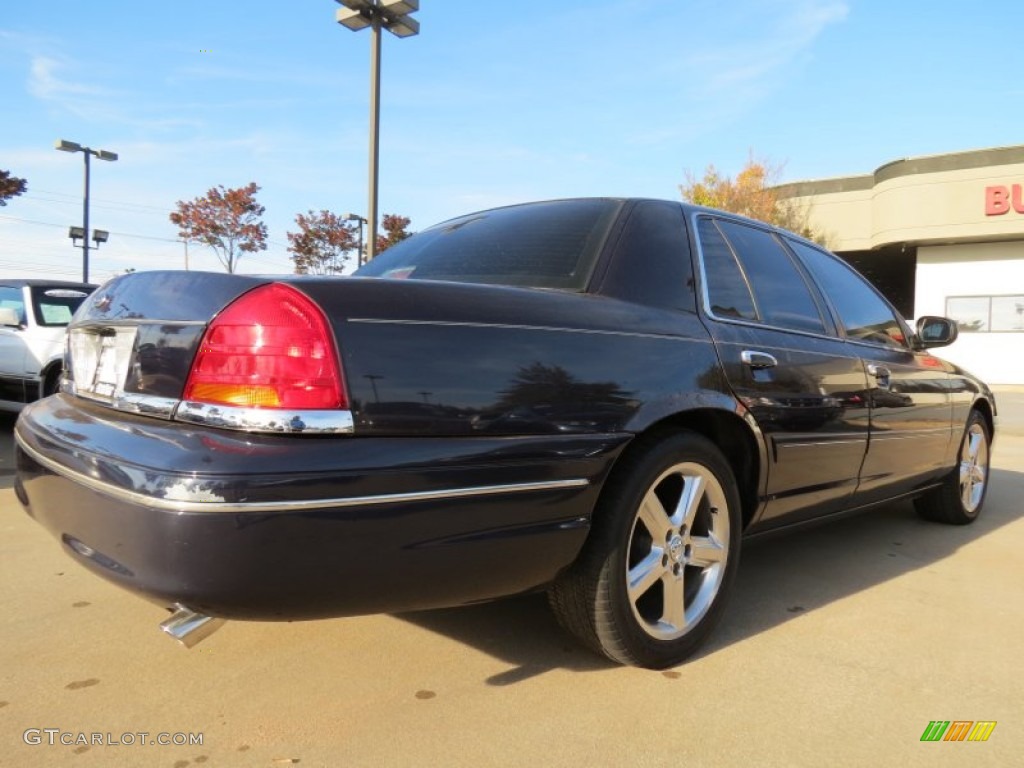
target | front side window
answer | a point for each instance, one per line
(864, 314)
(539, 245)
(11, 298)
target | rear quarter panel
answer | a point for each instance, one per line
(464, 360)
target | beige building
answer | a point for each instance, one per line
(939, 235)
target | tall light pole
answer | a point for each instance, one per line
(392, 15)
(87, 152)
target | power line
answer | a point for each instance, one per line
(32, 221)
(179, 241)
(39, 268)
(77, 199)
(280, 263)
(63, 226)
(103, 206)
(148, 237)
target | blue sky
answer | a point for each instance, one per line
(493, 103)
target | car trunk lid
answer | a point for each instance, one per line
(132, 342)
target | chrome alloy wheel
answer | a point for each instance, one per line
(973, 467)
(678, 550)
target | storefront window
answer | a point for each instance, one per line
(1008, 313)
(986, 314)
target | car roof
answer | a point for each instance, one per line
(21, 282)
(688, 208)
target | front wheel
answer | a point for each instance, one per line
(959, 499)
(662, 555)
(51, 384)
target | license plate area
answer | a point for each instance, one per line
(100, 360)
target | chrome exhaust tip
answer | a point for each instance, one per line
(188, 627)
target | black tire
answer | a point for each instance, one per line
(958, 501)
(51, 384)
(682, 572)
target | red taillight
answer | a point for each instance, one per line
(271, 348)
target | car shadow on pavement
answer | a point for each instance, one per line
(520, 630)
(781, 577)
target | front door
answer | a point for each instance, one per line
(803, 385)
(12, 345)
(909, 391)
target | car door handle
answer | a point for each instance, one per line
(758, 360)
(879, 371)
(881, 374)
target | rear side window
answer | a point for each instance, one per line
(541, 245)
(865, 316)
(728, 292)
(652, 263)
(782, 296)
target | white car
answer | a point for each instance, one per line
(34, 315)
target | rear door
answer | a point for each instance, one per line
(782, 356)
(911, 405)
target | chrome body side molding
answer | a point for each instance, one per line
(201, 501)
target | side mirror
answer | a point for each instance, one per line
(9, 316)
(936, 331)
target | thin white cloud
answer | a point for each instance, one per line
(812, 16)
(726, 79)
(750, 64)
(48, 83)
(45, 83)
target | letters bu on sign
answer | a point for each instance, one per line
(1000, 198)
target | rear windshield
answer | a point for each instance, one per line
(55, 306)
(540, 245)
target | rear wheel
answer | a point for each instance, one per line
(662, 555)
(959, 499)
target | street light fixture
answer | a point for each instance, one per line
(362, 221)
(78, 233)
(100, 236)
(392, 15)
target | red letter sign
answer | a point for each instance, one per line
(997, 201)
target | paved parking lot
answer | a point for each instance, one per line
(841, 644)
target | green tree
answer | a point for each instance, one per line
(225, 220)
(753, 193)
(322, 244)
(10, 186)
